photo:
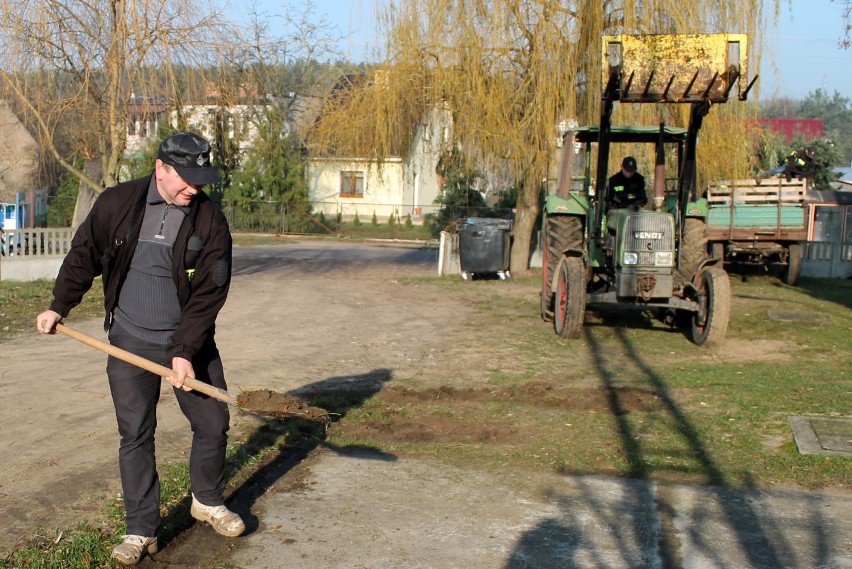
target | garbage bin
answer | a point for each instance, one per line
(484, 246)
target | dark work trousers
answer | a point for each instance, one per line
(135, 393)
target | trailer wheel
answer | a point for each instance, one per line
(710, 323)
(570, 298)
(794, 264)
(561, 232)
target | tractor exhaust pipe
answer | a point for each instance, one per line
(660, 171)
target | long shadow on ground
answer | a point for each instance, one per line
(338, 395)
(637, 518)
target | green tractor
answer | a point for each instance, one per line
(650, 259)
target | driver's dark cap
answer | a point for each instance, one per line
(629, 164)
(189, 154)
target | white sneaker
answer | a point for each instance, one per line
(133, 549)
(223, 520)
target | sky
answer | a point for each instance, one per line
(800, 54)
(354, 21)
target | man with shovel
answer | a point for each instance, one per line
(163, 249)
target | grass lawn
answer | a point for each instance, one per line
(633, 397)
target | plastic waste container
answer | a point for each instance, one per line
(484, 247)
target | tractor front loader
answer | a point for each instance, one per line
(653, 258)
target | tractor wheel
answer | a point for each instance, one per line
(794, 264)
(570, 298)
(710, 323)
(693, 247)
(561, 232)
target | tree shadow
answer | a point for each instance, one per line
(611, 316)
(568, 541)
(838, 291)
(641, 526)
(330, 259)
(300, 437)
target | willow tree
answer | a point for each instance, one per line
(71, 68)
(511, 71)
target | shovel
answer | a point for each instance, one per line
(261, 402)
(147, 365)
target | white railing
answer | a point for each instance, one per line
(36, 242)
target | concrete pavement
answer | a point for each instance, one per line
(341, 509)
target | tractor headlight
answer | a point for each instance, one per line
(630, 258)
(663, 259)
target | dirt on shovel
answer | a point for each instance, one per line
(279, 406)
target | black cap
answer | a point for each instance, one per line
(629, 164)
(189, 154)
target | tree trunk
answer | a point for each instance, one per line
(86, 194)
(524, 227)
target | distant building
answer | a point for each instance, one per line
(403, 183)
(19, 156)
(146, 114)
(790, 129)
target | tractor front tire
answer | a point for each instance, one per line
(570, 298)
(710, 323)
(561, 232)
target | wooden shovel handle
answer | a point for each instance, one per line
(145, 364)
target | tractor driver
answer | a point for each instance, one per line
(627, 187)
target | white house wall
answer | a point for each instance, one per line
(421, 183)
(382, 194)
(199, 118)
(403, 187)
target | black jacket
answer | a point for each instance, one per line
(104, 245)
(624, 191)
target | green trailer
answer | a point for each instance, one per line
(759, 222)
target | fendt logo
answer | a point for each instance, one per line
(647, 235)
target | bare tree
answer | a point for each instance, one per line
(72, 66)
(846, 35)
(511, 70)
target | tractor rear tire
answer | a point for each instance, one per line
(561, 232)
(570, 299)
(710, 323)
(794, 264)
(693, 247)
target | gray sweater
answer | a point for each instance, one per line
(148, 307)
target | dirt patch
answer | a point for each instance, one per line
(444, 430)
(533, 394)
(453, 411)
